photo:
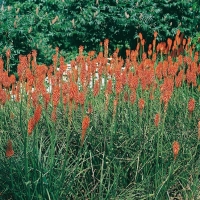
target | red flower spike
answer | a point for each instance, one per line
(157, 119)
(9, 149)
(85, 125)
(96, 88)
(141, 104)
(176, 148)
(191, 105)
(31, 125)
(37, 113)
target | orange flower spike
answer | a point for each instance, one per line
(138, 47)
(140, 36)
(56, 96)
(37, 113)
(3, 97)
(158, 47)
(8, 53)
(85, 125)
(191, 105)
(188, 41)
(184, 42)
(46, 98)
(143, 42)
(154, 57)
(150, 52)
(155, 34)
(34, 53)
(178, 41)
(196, 57)
(9, 149)
(106, 41)
(54, 114)
(81, 50)
(150, 47)
(141, 104)
(169, 43)
(81, 98)
(128, 53)
(176, 148)
(57, 49)
(118, 87)
(154, 43)
(31, 125)
(157, 119)
(109, 86)
(12, 79)
(178, 32)
(179, 78)
(133, 96)
(144, 55)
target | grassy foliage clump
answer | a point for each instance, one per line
(102, 128)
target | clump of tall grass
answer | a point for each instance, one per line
(105, 128)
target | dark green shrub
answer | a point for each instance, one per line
(43, 25)
(196, 41)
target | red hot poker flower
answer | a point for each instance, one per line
(81, 98)
(141, 104)
(176, 148)
(9, 149)
(191, 105)
(8, 53)
(54, 114)
(133, 96)
(37, 113)
(56, 96)
(31, 125)
(157, 119)
(109, 86)
(85, 125)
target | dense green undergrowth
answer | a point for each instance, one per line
(44, 25)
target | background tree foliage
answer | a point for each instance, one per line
(45, 24)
